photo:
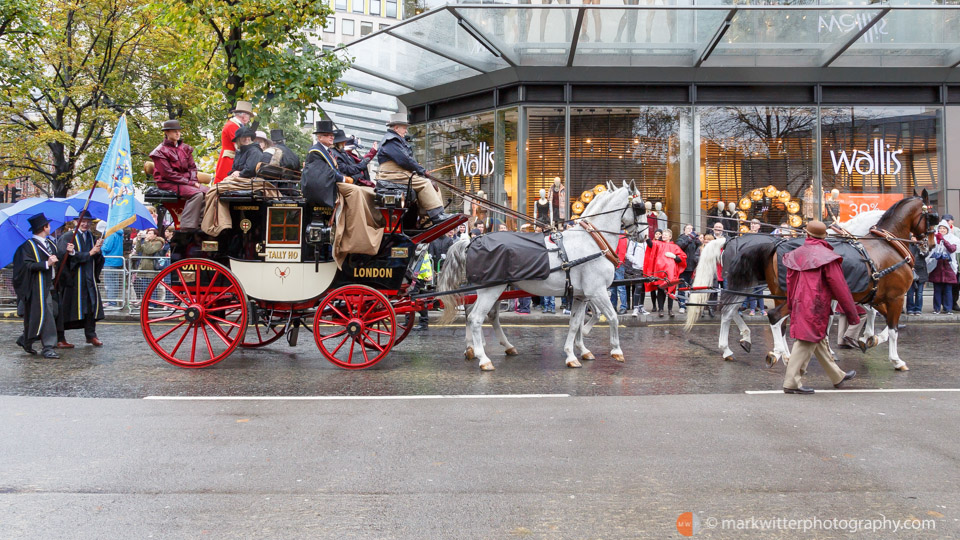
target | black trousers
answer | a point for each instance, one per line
(660, 295)
(48, 330)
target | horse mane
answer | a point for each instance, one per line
(891, 212)
(595, 205)
(860, 224)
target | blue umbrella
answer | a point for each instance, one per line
(99, 207)
(15, 227)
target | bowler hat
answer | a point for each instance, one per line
(244, 106)
(817, 229)
(171, 125)
(324, 126)
(948, 217)
(398, 119)
(339, 136)
(244, 132)
(276, 135)
(37, 222)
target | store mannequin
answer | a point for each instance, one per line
(808, 204)
(831, 207)
(732, 225)
(715, 214)
(479, 213)
(558, 201)
(662, 222)
(542, 209)
(652, 221)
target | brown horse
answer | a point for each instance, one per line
(756, 261)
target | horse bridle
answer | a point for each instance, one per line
(639, 209)
(932, 219)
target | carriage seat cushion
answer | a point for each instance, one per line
(507, 257)
(157, 194)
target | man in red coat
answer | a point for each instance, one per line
(241, 117)
(814, 279)
(174, 170)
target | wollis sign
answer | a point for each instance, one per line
(854, 204)
(479, 164)
(881, 159)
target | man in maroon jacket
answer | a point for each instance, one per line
(814, 279)
(174, 170)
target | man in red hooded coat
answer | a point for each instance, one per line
(228, 150)
(814, 279)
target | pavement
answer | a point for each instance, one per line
(276, 442)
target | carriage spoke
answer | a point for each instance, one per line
(166, 305)
(217, 297)
(183, 337)
(366, 359)
(350, 356)
(342, 322)
(223, 308)
(186, 288)
(335, 334)
(384, 332)
(206, 337)
(170, 331)
(345, 338)
(219, 333)
(167, 318)
(224, 321)
(193, 346)
(338, 312)
(374, 344)
(175, 293)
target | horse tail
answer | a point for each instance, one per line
(704, 276)
(452, 276)
(744, 266)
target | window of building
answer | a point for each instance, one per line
(328, 47)
(760, 160)
(347, 27)
(546, 151)
(375, 7)
(384, 26)
(331, 26)
(366, 28)
(871, 157)
(340, 5)
(284, 226)
(392, 8)
(357, 6)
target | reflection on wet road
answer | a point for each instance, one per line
(660, 360)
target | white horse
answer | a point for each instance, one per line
(609, 212)
(729, 312)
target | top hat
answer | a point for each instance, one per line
(339, 136)
(817, 229)
(244, 106)
(37, 222)
(170, 125)
(398, 119)
(276, 135)
(244, 132)
(84, 214)
(324, 126)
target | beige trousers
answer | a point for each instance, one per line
(800, 357)
(427, 196)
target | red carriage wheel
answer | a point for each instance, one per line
(355, 327)
(267, 326)
(408, 322)
(194, 313)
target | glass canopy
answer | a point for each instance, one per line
(453, 42)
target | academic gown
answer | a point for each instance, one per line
(33, 283)
(79, 294)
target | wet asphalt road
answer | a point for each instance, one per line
(633, 447)
(660, 360)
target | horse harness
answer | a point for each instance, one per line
(566, 264)
(875, 274)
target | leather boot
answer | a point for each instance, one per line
(438, 216)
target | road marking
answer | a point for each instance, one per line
(862, 391)
(355, 398)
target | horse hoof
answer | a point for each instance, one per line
(512, 351)
(745, 345)
(902, 368)
(771, 360)
(487, 366)
(618, 357)
(468, 354)
(872, 342)
(588, 356)
(574, 363)
(728, 358)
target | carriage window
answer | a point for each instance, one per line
(284, 225)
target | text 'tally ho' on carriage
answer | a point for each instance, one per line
(272, 267)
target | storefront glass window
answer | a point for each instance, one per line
(505, 190)
(545, 150)
(874, 156)
(760, 160)
(649, 145)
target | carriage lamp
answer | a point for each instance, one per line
(318, 233)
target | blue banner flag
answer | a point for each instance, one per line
(116, 176)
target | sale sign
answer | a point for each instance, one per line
(854, 204)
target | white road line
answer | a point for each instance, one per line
(862, 391)
(355, 398)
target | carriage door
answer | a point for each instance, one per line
(284, 227)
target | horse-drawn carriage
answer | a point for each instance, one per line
(273, 271)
